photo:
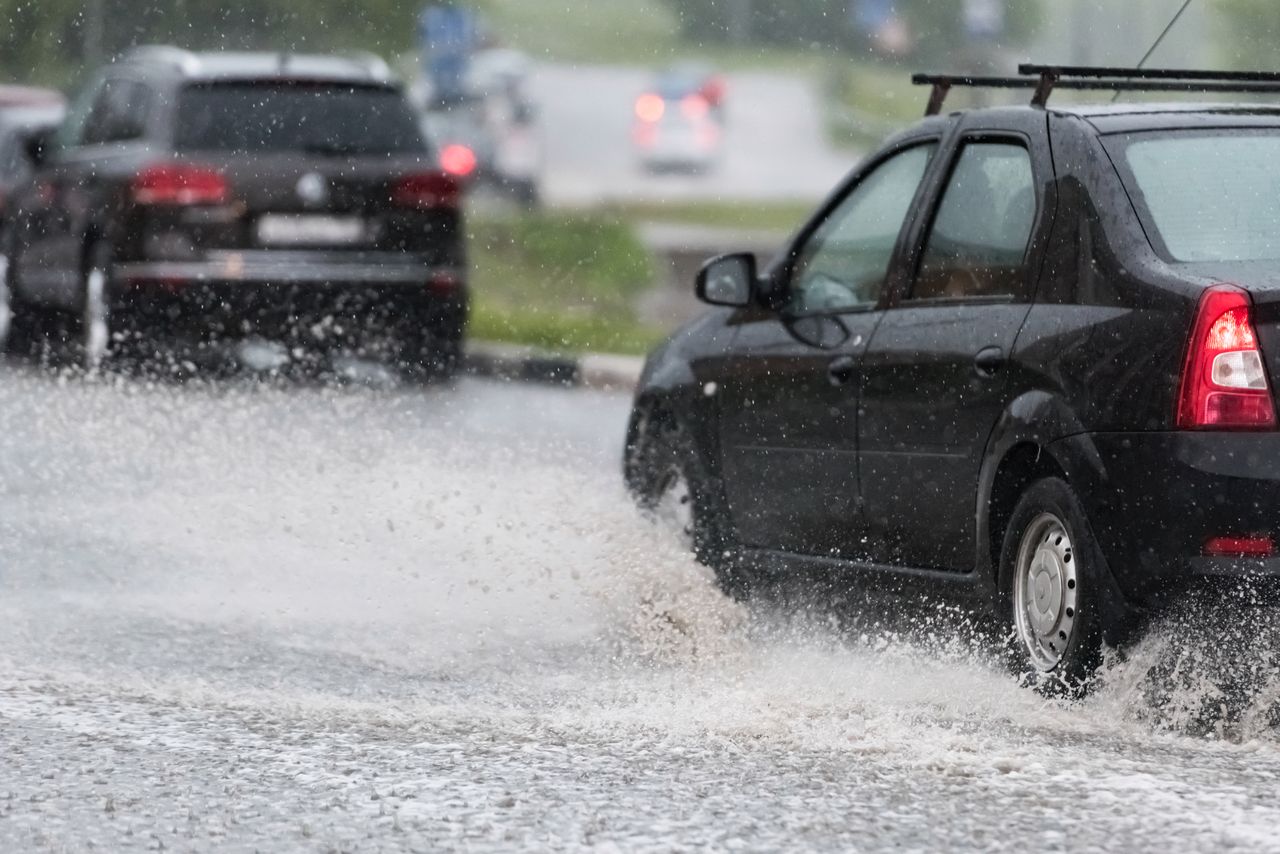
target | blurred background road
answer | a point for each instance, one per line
(775, 145)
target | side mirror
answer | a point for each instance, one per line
(38, 145)
(728, 280)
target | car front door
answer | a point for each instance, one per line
(935, 378)
(789, 408)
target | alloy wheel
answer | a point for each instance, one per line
(6, 303)
(94, 327)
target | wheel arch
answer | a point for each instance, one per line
(1025, 446)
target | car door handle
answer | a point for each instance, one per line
(988, 361)
(842, 370)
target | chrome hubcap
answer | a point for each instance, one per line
(674, 510)
(1045, 590)
(95, 331)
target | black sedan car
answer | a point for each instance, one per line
(1026, 356)
(208, 198)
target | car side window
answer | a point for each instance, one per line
(118, 113)
(843, 264)
(980, 233)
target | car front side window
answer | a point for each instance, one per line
(843, 264)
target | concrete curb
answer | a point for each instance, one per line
(606, 372)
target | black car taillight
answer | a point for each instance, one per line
(426, 191)
(179, 184)
(1224, 380)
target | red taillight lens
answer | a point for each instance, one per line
(1224, 379)
(458, 160)
(650, 107)
(425, 191)
(1256, 546)
(179, 184)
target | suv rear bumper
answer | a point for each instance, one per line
(295, 295)
(277, 267)
(1155, 500)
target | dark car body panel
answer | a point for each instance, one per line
(907, 473)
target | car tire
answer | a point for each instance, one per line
(433, 351)
(1053, 577)
(670, 481)
(26, 326)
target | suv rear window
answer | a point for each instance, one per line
(320, 118)
(1209, 196)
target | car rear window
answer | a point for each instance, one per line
(320, 118)
(1209, 196)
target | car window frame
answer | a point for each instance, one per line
(144, 115)
(783, 274)
(952, 156)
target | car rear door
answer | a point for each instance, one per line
(935, 377)
(789, 406)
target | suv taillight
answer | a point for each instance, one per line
(426, 190)
(1224, 381)
(179, 184)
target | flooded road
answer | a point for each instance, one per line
(241, 617)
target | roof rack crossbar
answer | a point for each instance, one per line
(942, 84)
(1148, 73)
(1045, 78)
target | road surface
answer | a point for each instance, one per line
(238, 617)
(775, 145)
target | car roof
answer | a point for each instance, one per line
(23, 96)
(44, 115)
(360, 68)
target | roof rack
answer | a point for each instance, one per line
(1045, 78)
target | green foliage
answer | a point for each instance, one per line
(559, 281)
(1251, 28)
(49, 40)
(935, 23)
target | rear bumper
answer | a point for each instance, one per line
(289, 294)
(276, 267)
(1155, 499)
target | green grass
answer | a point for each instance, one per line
(560, 281)
(755, 216)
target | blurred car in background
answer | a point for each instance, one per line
(21, 126)
(679, 120)
(219, 196)
(489, 132)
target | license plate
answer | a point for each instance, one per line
(308, 230)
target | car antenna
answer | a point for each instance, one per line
(1156, 43)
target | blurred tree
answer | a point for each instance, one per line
(936, 25)
(48, 40)
(1250, 28)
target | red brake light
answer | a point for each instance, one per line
(427, 190)
(1253, 546)
(1224, 380)
(179, 184)
(650, 107)
(458, 160)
